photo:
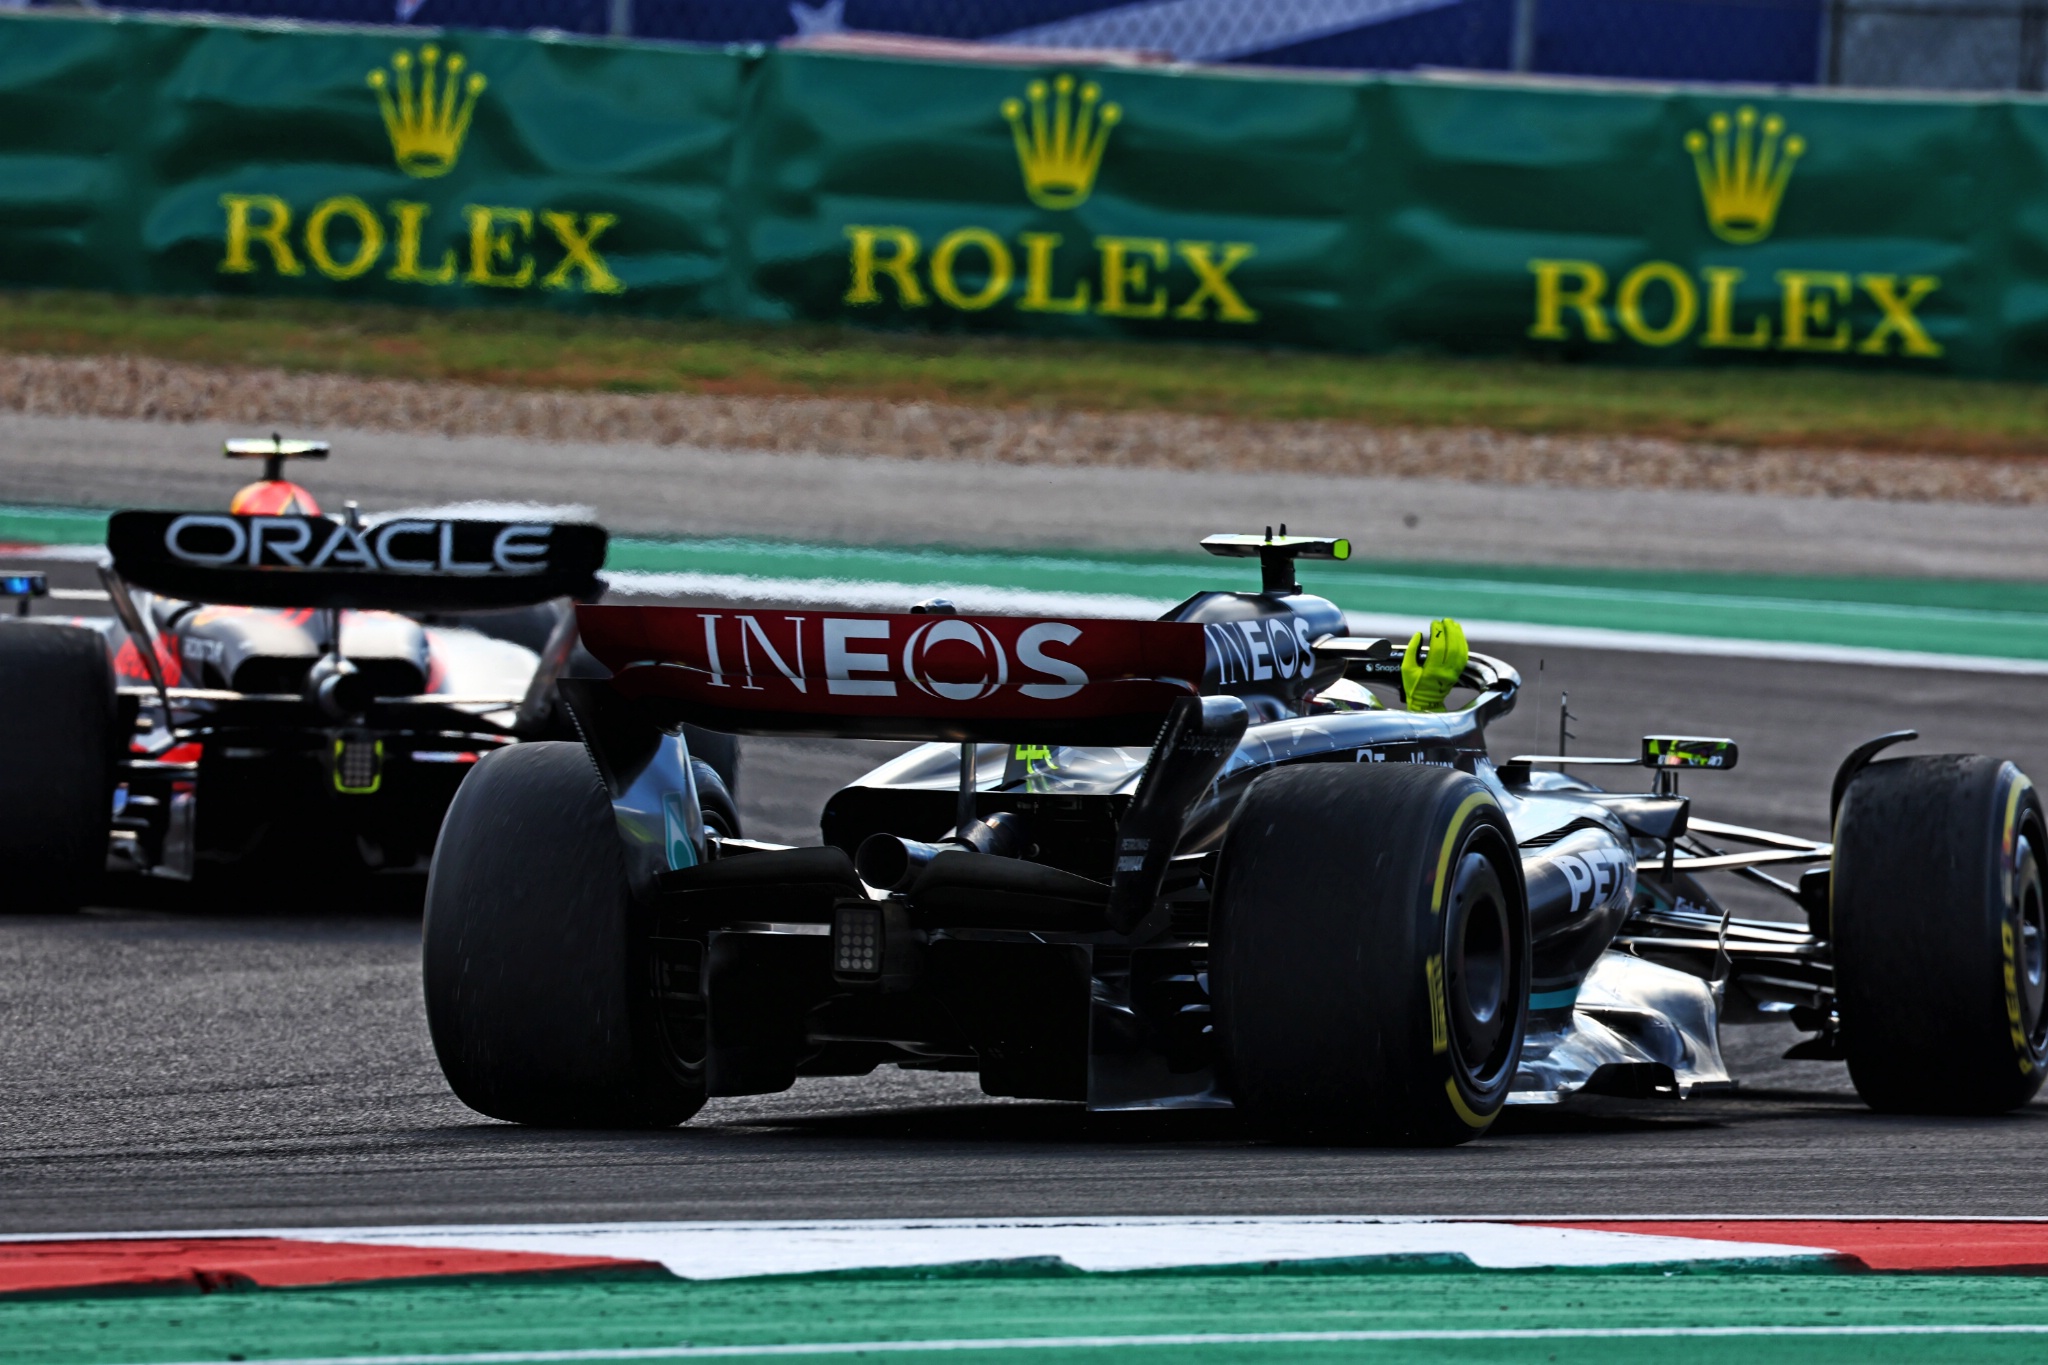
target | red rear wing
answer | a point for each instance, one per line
(1010, 678)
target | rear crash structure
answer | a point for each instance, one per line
(1194, 862)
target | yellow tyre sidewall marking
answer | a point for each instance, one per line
(1439, 1015)
(1434, 969)
(1465, 1112)
(1443, 857)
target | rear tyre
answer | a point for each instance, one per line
(537, 965)
(1940, 926)
(721, 812)
(56, 764)
(1370, 955)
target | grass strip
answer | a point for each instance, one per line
(1805, 405)
(599, 1314)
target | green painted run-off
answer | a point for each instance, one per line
(1981, 618)
(637, 1311)
(1975, 618)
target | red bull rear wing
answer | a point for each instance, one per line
(398, 564)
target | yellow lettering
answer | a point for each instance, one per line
(1685, 303)
(369, 237)
(411, 219)
(1128, 264)
(1001, 270)
(597, 277)
(1898, 319)
(1721, 282)
(899, 265)
(487, 246)
(243, 231)
(1212, 279)
(1552, 298)
(1806, 309)
(1038, 248)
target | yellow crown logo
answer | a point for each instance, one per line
(1060, 147)
(1742, 175)
(426, 126)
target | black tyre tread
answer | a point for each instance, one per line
(1318, 952)
(1917, 902)
(538, 1000)
(717, 750)
(721, 812)
(57, 721)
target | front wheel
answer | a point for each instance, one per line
(1370, 955)
(1940, 927)
(541, 984)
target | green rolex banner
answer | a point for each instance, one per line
(203, 157)
(1092, 201)
(1633, 224)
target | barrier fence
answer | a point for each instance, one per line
(1924, 44)
(1357, 213)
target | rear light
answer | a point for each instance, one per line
(875, 944)
(857, 941)
(443, 756)
(358, 765)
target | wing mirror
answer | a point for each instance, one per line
(1688, 751)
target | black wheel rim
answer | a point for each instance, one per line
(1482, 968)
(677, 976)
(2030, 949)
(677, 980)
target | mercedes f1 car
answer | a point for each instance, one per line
(1194, 862)
(278, 688)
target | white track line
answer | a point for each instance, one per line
(1659, 642)
(728, 1250)
(883, 594)
(1082, 1343)
(70, 554)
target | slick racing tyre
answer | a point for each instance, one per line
(1369, 956)
(721, 812)
(56, 764)
(1939, 924)
(538, 970)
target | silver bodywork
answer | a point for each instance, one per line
(1635, 1026)
(1629, 1025)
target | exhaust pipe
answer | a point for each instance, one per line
(892, 863)
(338, 688)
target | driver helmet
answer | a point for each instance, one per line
(274, 498)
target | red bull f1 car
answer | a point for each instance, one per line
(1194, 862)
(279, 690)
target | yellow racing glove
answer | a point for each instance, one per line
(1426, 682)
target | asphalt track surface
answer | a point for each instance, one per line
(640, 489)
(181, 1066)
(175, 1063)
